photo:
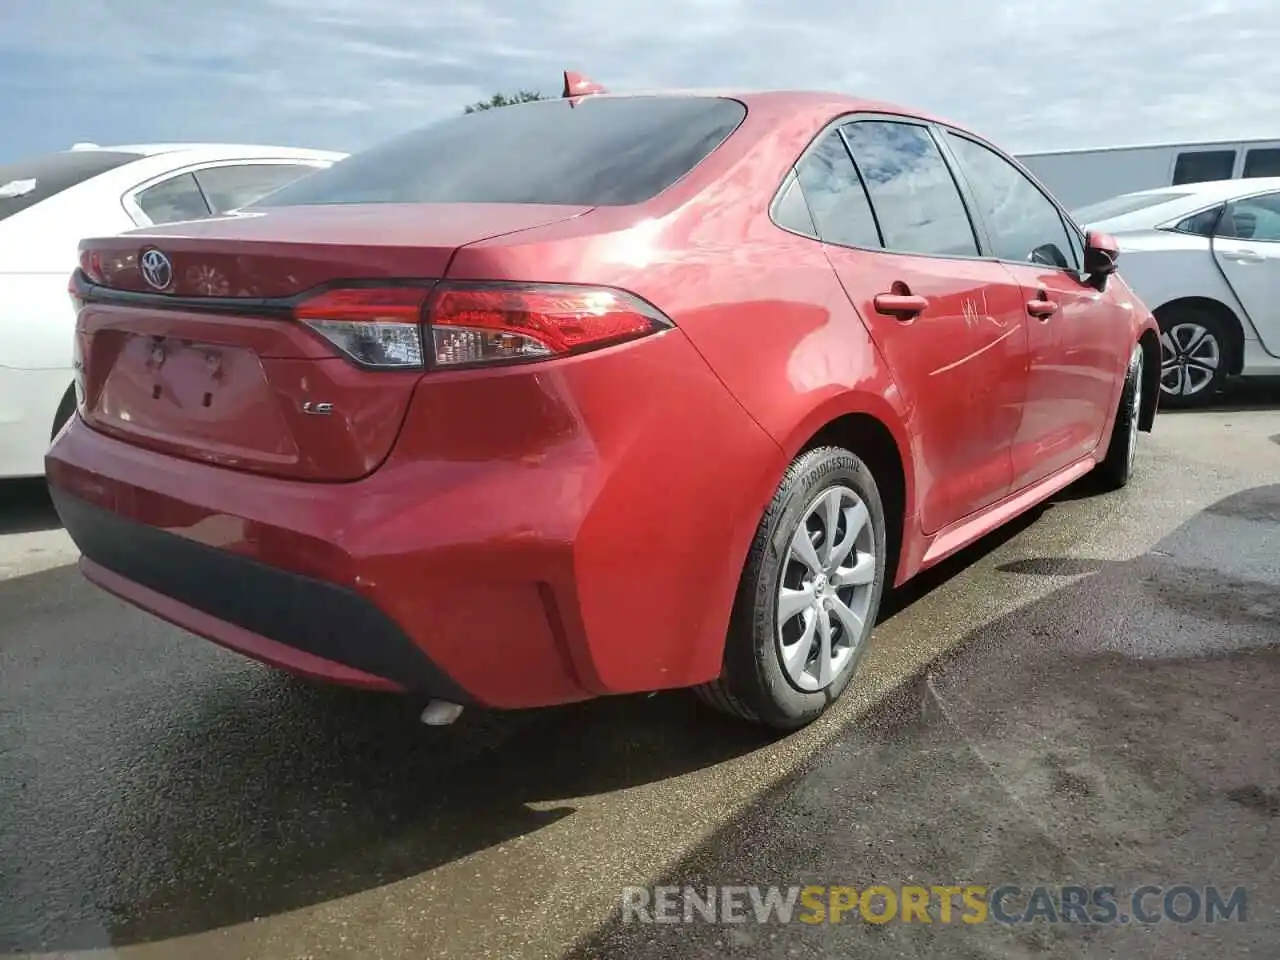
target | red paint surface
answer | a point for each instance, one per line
(577, 526)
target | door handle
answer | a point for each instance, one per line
(1242, 256)
(1042, 309)
(901, 306)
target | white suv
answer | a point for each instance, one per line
(47, 204)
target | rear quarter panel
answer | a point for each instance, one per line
(1160, 267)
(762, 308)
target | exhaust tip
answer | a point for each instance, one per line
(440, 713)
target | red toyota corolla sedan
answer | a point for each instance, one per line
(596, 395)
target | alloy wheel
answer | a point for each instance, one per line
(827, 585)
(1189, 359)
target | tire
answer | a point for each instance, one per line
(65, 409)
(755, 682)
(1116, 468)
(1194, 354)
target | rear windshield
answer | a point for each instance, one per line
(601, 151)
(1120, 206)
(27, 182)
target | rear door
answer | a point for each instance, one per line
(1077, 337)
(948, 323)
(1247, 249)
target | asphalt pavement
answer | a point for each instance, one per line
(1088, 696)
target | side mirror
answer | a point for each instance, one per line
(1100, 254)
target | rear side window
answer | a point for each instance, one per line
(178, 198)
(1263, 162)
(791, 211)
(836, 196)
(915, 198)
(233, 187)
(26, 183)
(1023, 223)
(1201, 224)
(1203, 165)
(601, 151)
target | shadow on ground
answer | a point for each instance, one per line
(1253, 393)
(193, 790)
(25, 507)
(1121, 731)
(226, 794)
(266, 794)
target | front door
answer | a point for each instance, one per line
(1077, 337)
(1247, 248)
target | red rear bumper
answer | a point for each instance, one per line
(538, 535)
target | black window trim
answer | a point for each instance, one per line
(938, 132)
(866, 191)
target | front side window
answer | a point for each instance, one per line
(836, 196)
(1023, 223)
(178, 198)
(1253, 218)
(1200, 166)
(914, 196)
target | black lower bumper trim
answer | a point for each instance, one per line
(310, 615)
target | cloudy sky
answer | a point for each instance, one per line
(345, 73)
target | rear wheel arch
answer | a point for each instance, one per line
(1214, 308)
(872, 440)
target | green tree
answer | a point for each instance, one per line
(503, 100)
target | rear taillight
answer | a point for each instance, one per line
(374, 326)
(91, 264)
(463, 324)
(492, 323)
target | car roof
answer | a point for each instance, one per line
(816, 100)
(1211, 190)
(213, 151)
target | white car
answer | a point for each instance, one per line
(1205, 257)
(47, 204)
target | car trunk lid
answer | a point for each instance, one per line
(197, 350)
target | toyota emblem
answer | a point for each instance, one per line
(156, 269)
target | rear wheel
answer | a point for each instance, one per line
(1193, 357)
(809, 594)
